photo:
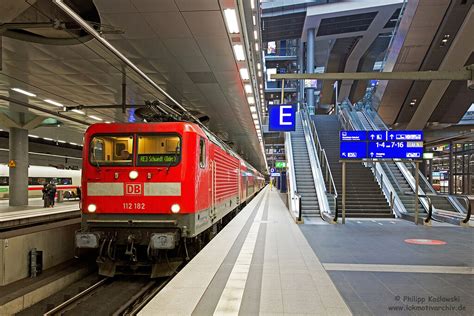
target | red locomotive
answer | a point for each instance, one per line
(153, 190)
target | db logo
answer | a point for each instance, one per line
(133, 188)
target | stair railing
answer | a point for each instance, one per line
(315, 155)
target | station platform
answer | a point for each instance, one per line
(34, 213)
(263, 263)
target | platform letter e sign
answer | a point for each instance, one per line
(287, 114)
(133, 188)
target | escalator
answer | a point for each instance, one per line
(452, 209)
(304, 177)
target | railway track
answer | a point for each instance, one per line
(111, 296)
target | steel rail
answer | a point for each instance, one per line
(75, 298)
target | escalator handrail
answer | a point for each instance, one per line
(293, 189)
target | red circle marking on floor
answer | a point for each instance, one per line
(425, 242)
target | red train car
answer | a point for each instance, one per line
(150, 190)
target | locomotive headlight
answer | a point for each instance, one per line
(175, 208)
(133, 174)
(92, 208)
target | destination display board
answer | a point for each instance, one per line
(381, 144)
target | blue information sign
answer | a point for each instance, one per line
(282, 118)
(350, 136)
(377, 136)
(353, 150)
(405, 135)
(400, 149)
(381, 144)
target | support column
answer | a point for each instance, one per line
(18, 177)
(310, 68)
(301, 71)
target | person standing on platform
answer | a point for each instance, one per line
(271, 184)
(45, 195)
(51, 193)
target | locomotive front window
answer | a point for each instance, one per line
(158, 150)
(111, 150)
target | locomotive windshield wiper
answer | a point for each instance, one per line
(95, 160)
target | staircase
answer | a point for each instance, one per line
(304, 176)
(364, 197)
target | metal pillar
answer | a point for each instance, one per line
(18, 177)
(343, 192)
(301, 70)
(450, 173)
(417, 184)
(310, 68)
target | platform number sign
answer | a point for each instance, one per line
(282, 117)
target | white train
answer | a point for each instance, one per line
(66, 180)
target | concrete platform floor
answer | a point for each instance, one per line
(378, 273)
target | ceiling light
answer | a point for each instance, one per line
(252, 4)
(255, 116)
(244, 73)
(79, 112)
(107, 122)
(95, 117)
(259, 73)
(256, 47)
(74, 144)
(53, 102)
(231, 20)
(239, 52)
(255, 34)
(248, 88)
(251, 100)
(261, 86)
(46, 138)
(33, 136)
(61, 141)
(24, 92)
(254, 20)
(259, 66)
(253, 109)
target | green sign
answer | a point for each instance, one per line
(157, 159)
(280, 164)
(3, 190)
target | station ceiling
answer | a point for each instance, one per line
(183, 46)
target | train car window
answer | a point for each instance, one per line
(202, 153)
(111, 150)
(159, 150)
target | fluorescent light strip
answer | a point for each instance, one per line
(239, 52)
(61, 141)
(259, 66)
(53, 102)
(259, 73)
(251, 100)
(46, 138)
(252, 4)
(79, 112)
(255, 34)
(256, 47)
(33, 136)
(248, 88)
(254, 20)
(95, 117)
(24, 92)
(231, 20)
(255, 116)
(244, 73)
(253, 109)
